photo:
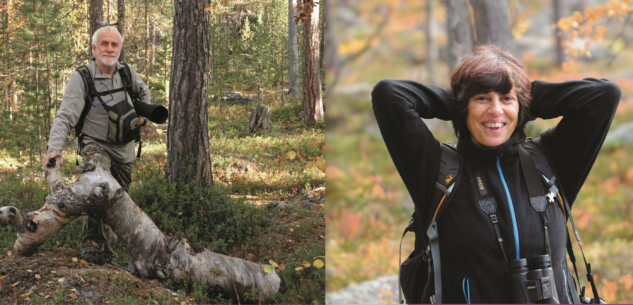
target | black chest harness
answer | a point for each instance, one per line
(124, 123)
(420, 276)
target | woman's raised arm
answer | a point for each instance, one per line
(587, 107)
(399, 106)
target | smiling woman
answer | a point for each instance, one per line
(494, 206)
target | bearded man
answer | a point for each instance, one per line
(96, 93)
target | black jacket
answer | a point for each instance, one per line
(471, 259)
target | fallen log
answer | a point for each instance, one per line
(154, 255)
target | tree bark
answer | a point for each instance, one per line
(96, 20)
(121, 26)
(154, 255)
(147, 43)
(188, 156)
(431, 43)
(293, 51)
(311, 98)
(492, 22)
(460, 31)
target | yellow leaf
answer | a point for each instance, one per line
(310, 164)
(298, 268)
(47, 296)
(37, 276)
(291, 155)
(74, 259)
(292, 230)
(320, 164)
(16, 283)
(306, 264)
(83, 262)
(115, 272)
(296, 144)
(208, 7)
(272, 262)
(268, 269)
(318, 264)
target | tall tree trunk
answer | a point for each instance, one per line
(311, 98)
(96, 19)
(147, 42)
(293, 51)
(557, 12)
(47, 109)
(121, 26)
(492, 22)
(460, 30)
(188, 156)
(431, 42)
(154, 255)
(322, 5)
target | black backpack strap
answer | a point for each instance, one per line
(447, 179)
(541, 157)
(126, 77)
(90, 90)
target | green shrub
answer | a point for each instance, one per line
(205, 216)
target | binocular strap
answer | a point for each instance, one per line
(488, 203)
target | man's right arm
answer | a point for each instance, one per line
(68, 114)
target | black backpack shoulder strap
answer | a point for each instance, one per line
(447, 179)
(541, 160)
(90, 89)
(126, 76)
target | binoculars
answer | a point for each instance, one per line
(535, 285)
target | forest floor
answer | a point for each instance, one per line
(267, 204)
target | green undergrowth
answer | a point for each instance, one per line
(233, 217)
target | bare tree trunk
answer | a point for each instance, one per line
(492, 22)
(431, 42)
(121, 25)
(188, 156)
(293, 51)
(154, 255)
(460, 31)
(311, 98)
(96, 19)
(147, 42)
(557, 12)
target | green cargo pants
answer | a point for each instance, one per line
(98, 237)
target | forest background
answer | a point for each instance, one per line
(556, 40)
(267, 199)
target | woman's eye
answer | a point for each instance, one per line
(481, 98)
(509, 98)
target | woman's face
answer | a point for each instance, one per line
(492, 117)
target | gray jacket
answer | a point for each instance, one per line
(96, 122)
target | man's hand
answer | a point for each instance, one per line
(50, 155)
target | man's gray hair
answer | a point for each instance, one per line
(109, 27)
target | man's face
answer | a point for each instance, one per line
(108, 47)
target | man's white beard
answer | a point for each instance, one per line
(108, 62)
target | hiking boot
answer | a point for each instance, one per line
(94, 257)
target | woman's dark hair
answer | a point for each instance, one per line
(489, 68)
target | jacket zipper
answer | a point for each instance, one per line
(511, 206)
(466, 289)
